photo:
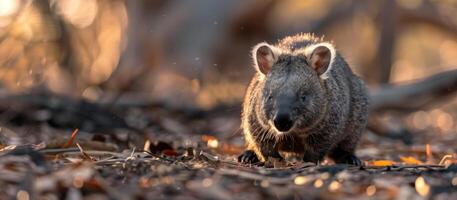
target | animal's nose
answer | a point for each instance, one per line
(283, 122)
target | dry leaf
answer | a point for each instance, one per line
(428, 152)
(381, 163)
(410, 160)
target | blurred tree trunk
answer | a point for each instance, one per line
(379, 73)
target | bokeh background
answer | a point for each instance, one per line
(128, 99)
(195, 54)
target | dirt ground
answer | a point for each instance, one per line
(194, 157)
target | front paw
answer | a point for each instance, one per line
(351, 160)
(249, 157)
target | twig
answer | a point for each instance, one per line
(85, 155)
(72, 138)
(401, 167)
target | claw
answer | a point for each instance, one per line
(352, 160)
(248, 156)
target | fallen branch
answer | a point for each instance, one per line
(59, 111)
(414, 96)
(392, 130)
(428, 13)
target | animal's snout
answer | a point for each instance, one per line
(283, 122)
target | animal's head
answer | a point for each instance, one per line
(293, 97)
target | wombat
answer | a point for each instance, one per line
(304, 99)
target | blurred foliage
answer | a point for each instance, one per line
(65, 46)
(196, 53)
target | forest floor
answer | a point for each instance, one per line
(194, 157)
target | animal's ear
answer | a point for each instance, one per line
(264, 56)
(320, 58)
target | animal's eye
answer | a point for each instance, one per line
(303, 98)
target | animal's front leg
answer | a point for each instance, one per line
(313, 157)
(269, 150)
(317, 146)
(248, 156)
(345, 156)
(261, 151)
